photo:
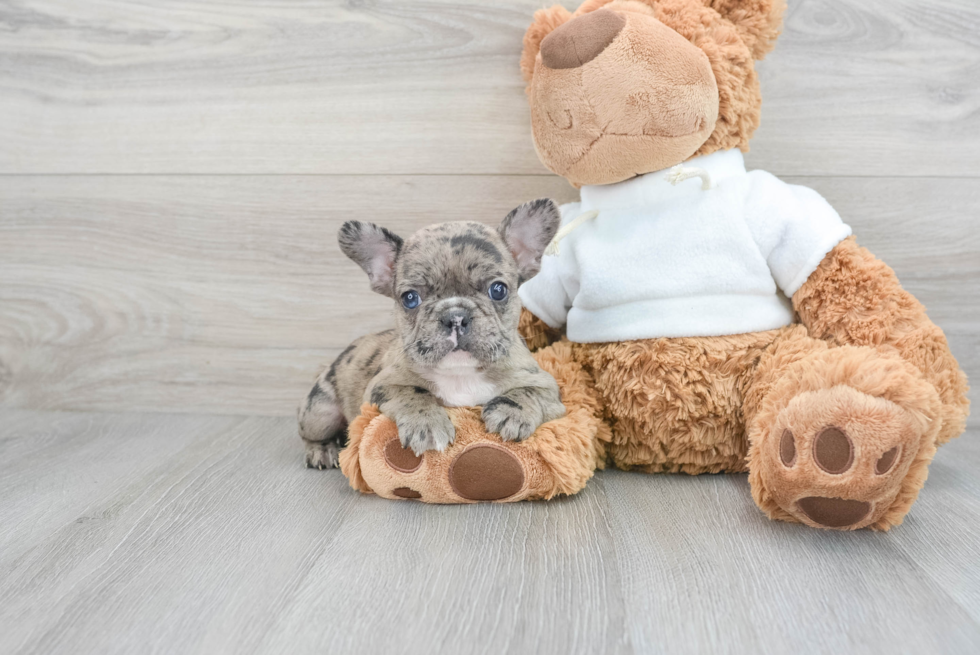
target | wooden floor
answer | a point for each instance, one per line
(136, 533)
(172, 175)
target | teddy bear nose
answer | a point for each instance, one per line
(581, 39)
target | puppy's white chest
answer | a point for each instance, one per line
(458, 382)
(463, 388)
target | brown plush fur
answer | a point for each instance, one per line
(675, 405)
(730, 33)
(855, 299)
(545, 21)
(536, 333)
(584, 131)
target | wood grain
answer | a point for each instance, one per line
(224, 294)
(394, 87)
(201, 534)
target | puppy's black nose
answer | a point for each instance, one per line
(458, 319)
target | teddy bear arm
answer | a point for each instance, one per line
(853, 298)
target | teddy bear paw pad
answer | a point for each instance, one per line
(400, 458)
(486, 471)
(834, 512)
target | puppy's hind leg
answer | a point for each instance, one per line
(322, 425)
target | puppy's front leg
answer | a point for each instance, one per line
(422, 423)
(517, 413)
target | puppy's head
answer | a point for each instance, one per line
(455, 284)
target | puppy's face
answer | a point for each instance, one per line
(455, 284)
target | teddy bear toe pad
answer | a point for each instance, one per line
(400, 458)
(486, 472)
(834, 512)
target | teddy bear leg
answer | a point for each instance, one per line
(840, 437)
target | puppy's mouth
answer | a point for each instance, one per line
(457, 346)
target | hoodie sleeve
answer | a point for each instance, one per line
(793, 226)
(546, 295)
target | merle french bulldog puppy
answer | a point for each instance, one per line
(456, 341)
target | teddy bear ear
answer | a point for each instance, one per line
(545, 21)
(758, 21)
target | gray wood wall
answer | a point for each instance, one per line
(172, 175)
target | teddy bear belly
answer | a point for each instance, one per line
(677, 405)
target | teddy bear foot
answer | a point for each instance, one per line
(478, 466)
(841, 459)
(473, 468)
(481, 472)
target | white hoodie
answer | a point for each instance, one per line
(665, 260)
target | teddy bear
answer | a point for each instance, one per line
(699, 317)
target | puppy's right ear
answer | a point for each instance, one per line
(374, 249)
(527, 230)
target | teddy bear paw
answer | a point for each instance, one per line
(479, 472)
(837, 458)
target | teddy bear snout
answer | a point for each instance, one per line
(581, 40)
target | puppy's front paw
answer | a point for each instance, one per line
(426, 431)
(509, 419)
(322, 455)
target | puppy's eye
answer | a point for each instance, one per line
(498, 291)
(411, 299)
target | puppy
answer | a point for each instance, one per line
(456, 341)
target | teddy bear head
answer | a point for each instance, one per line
(625, 87)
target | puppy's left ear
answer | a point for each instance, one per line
(527, 231)
(374, 249)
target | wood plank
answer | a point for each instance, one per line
(216, 539)
(224, 294)
(66, 469)
(705, 571)
(524, 578)
(389, 87)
